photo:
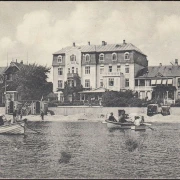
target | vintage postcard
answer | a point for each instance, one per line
(89, 90)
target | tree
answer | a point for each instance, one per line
(72, 90)
(121, 99)
(31, 82)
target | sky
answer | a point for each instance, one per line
(32, 31)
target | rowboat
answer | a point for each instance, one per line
(15, 128)
(125, 125)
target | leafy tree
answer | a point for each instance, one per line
(31, 82)
(121, 99)
(72, 90)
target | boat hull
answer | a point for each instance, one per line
(139, 128)
(117, 125)
(16, 128)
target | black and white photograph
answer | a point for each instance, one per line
(89, 90)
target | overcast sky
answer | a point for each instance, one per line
(42, 28)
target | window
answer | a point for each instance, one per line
(101, 57)
(111, 81)
(59, 59)
(178, 82)
(126, 82)
(77, 70)
(87, 57)
(60, 83)
(148, 82)
(87, 69)
(101, 82)
(60, 71)
(101, 70)
(126, 56)
(72, 70)
(118, 68)
(141, 82)
(71, 83)
(126, 68)
(87, 83)
(114, 56)
(9, 77)
(72, 58)
(68, 70)
(110, 68)
(136, 82)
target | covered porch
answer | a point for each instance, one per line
(92, 97)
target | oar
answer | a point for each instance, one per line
(147, 124)
(151, 128)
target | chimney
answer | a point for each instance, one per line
(89, 43)
(16, 60)
(74, 44)
(103, 43)
(124, 41)
(21, 62)
(160, 64)
(176, 62)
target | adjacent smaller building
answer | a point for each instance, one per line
(159, 82)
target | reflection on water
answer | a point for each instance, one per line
(90, 150)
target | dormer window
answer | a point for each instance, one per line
(126, 56)
(114, 56)
(59, 59)
(72, 58)
(87, 57)
(101, 57)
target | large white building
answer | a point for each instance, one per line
(111, 66)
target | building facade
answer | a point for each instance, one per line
(111, 66)
(159, 82)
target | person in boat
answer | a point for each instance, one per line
(138, 120)
(1, 119)
(122, 117)
(112, 118)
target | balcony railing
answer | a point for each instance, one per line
(112, 74)
(72, 75)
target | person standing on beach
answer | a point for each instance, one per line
(42, 115)
(14, 115)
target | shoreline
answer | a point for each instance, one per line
(93, 118)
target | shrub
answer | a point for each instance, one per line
(53, 103)
(121, 99)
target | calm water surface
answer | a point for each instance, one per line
(90, 150)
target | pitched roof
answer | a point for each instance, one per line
(156, 71)
(101, 48)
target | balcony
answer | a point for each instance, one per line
(72, 75)
(112, 74)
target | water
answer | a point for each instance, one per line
(90, 150)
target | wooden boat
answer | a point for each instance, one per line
(15, 128)
(139, 128)
(126, 125)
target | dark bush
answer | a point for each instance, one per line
(121, 99)
(53, 103)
